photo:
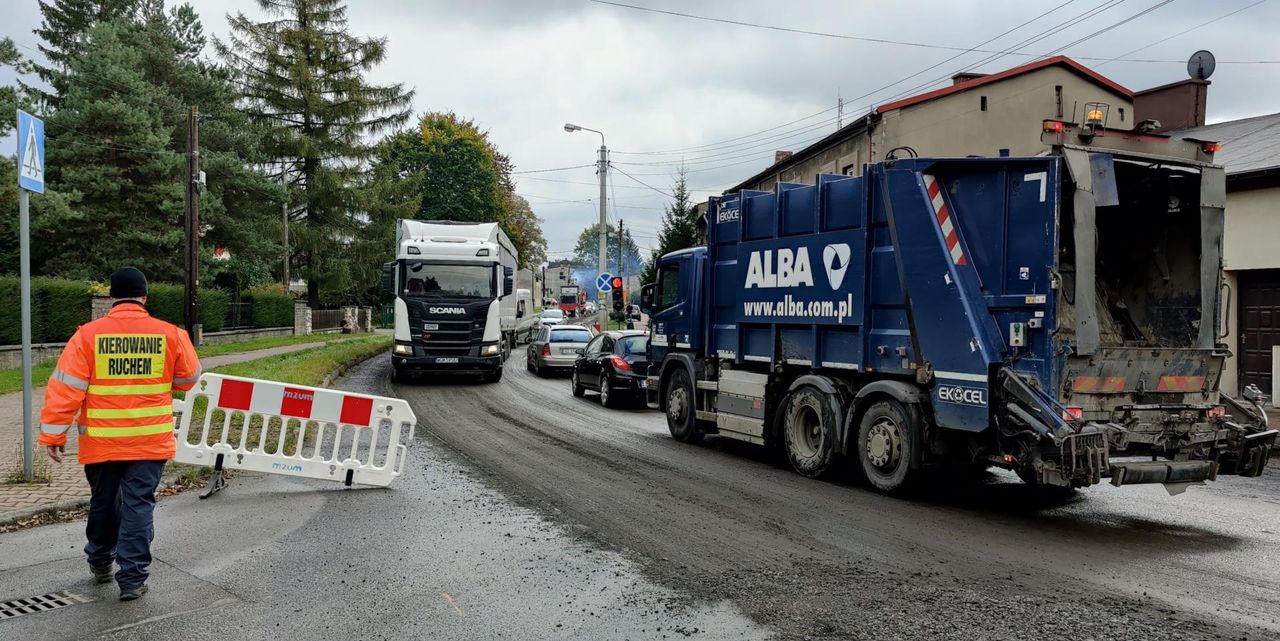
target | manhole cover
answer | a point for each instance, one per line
(41, 603)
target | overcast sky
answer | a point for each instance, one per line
(654, 82)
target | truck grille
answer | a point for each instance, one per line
(452, 338)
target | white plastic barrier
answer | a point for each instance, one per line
(317, 433)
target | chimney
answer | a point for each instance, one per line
(779, 156)
(1178, 105)
(965, 76)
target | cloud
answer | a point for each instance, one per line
(656, 82)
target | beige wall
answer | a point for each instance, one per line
(1252, 235)
(955, 125)
(1251, 240)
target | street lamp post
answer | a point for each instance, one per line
(602, 169)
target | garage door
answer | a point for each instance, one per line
(1259, 325)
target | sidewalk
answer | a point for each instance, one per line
(67, 484)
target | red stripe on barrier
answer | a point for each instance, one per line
(297, 402)
(934, 188)
(356, 410)
(962, 260)
(235, 395)
(942, 214)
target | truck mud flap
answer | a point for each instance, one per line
(1167, 472)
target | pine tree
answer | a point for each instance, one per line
(63, 30)
(116, 152)
(302, 74)
(679, 228)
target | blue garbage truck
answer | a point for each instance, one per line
(1058, 315)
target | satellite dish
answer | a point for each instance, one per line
(1201, 65)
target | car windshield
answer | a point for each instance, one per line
(570, 336)
(434, 280)
(553, 313)
(633, 345)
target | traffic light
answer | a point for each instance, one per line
(616, 284)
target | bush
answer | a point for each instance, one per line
(165, 302)
(213, 309)
(271, 307)
(64, 306)
(11, 314)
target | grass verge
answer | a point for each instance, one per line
(11, 378)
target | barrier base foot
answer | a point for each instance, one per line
(216, 483)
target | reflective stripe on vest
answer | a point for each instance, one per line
(122, 390)
(136, 430)
(130, 412)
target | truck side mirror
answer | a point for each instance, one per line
(646, 298)
(508, 281)
(389, 279)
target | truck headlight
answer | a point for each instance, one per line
(489, 350)
(404, 350)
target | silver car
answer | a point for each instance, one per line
(556, 347)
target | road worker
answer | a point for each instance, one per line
(115, 379)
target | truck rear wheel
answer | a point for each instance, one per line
(681, 416)
(809, 432)
(888, 437)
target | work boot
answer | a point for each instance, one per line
(101, 574)
(133, 593)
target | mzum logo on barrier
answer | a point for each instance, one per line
(267, 426)
(962, 395)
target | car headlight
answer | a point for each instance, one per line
(405, 350)
(489, 350)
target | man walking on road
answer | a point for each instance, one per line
(117, 374)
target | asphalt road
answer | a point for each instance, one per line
(994, 558)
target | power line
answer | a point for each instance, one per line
(905, 43)
(1181, 33)
(1106, 29)
(543, 171)
(644, 183)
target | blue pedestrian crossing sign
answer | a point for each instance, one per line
(604, 282)
(30, 152)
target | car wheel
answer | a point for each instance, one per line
(577, 386)
(681, 418)
(607, 397)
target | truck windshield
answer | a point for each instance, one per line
(435, 280)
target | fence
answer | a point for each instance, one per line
(326, 319)
(239, 315)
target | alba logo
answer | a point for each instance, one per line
(836, 259)
(792, 269)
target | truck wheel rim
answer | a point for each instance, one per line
(676, 404)
(884, 449)
(805, 431)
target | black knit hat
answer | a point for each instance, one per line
(128, 282)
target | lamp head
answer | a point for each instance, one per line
(570, 127)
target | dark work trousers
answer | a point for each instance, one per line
(120, 510)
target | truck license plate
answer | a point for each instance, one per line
(430, 327)
(447, 360)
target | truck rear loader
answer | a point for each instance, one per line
(1056, 315)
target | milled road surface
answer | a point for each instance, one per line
(833, 560)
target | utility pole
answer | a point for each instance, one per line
(602, 314)
(284, 221)
(621, 250)
(839, 110)
(191, 306)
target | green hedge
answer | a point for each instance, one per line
(271, 308)
(58, 307)
(166, 302)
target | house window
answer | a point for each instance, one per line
(982, 103)
(850, 169)
(1122, 114)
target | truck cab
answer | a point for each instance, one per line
(455, 303)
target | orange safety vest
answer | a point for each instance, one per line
(117, 373)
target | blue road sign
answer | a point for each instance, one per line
(604, 282)
(30, 152)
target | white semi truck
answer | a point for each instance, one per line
(455, 298)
